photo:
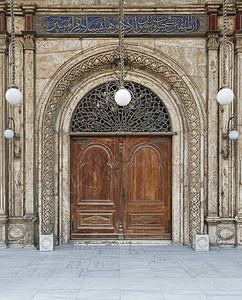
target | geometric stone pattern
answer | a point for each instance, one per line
(146, 62)
(98, 112)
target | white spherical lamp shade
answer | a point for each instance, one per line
(225, 96)
(8, 133)
(13, 96)
(122, 97)
(233, 135)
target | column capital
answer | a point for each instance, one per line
(4, 41)
(213, 40)
(29, 40)
(238, 41)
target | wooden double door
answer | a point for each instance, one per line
(121, 187)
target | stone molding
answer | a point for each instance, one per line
(140, 60)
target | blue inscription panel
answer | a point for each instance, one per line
(133, 24)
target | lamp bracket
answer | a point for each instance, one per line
(225, 136)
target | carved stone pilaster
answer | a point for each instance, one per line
(29, 137)
(4, 40)
(238, 144)
(212, 131)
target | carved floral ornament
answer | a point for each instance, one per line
(57, 97)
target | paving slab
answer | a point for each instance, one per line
(184, 295)
(13, 294)
(124, 272)
(225, 295)
(99, 294)
(44, 294)
(135, 294)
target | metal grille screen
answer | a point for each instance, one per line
(98, 112)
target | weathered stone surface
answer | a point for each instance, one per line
(55, 72)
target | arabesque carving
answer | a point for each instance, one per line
(98, 112)
(137, 59)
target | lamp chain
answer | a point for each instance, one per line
(13, 43)
(225, 72)
(121, 42)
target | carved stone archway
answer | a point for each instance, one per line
(141, 60)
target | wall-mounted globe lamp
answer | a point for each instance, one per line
(225, 95)
(231, 134)
(9, 133)
(13, 95)
(122, 96)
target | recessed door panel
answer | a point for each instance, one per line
(95, 187)
(147, 179)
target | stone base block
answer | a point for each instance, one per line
(3, 240)
(46, 242)
(201, 242)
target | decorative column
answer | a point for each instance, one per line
(238, 110)
(212, 134)
(3, 112)
(30, 213)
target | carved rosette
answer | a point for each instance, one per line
(56, 98)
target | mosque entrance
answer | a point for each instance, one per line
(120, 166)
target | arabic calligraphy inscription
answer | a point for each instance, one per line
(141, 24)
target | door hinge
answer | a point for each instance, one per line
(72, 226)
(123, 191)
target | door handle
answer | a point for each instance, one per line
(123, 191)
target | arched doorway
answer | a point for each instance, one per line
(121, 168)
(167, 79)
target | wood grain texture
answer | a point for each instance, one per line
(147, 178)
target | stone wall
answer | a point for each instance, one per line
(184, 69)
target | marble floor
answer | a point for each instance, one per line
(126, 272)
